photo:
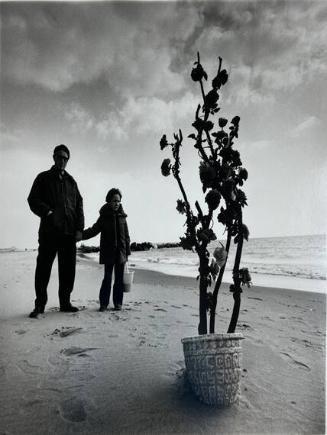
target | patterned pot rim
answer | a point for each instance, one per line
(214, 337)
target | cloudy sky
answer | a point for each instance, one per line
(108, 79)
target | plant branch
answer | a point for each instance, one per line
(217, 286)
(181, 187)
(237, 290)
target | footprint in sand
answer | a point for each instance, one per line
(65, 331)
(57, 364)
(33, 402)
(73, 410)
(28, 368)
(79, 351)
(299, 320)
(297, 363)
(267, 318)
(243, 326)
(20, 331)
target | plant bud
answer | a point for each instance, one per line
(166, 167)
(163, 142)
(198, 73)
(235, 120)
(222, 122)
(206, 235)
(243, 174)
(213, 199)
(207, 173)
(211, 98)
(220, 79)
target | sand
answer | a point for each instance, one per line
(123, 372)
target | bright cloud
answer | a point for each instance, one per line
(271, 46)
(306, 125)
(138, 117)
(79, 117)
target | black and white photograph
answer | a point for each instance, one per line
(163, 217)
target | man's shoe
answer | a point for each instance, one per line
(102, 308)
(36, 312)
(68, 309)
(118, 307)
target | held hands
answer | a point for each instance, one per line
(78, 234)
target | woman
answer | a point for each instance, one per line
(114, 247)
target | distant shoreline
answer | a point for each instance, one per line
(192, 279)
(161, 244)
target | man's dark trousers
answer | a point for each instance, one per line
(51, 244)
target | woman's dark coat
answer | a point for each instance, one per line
(114, 238)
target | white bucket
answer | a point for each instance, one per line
(128, 279)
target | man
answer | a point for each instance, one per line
(55, 198)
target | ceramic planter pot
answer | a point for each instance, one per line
(213, 367)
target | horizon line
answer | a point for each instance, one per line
(176, 242)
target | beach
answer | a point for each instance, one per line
(123, 372)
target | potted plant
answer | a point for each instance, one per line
(213, 363)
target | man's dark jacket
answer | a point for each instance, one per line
(114, 238)
(62, 197)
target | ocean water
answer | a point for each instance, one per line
(297, 262)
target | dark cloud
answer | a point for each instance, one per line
(94, 59)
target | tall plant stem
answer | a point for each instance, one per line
(206, 116)
(217, 287)
(199, 138)
(176, 172)
(188, 207)
(210, 143)
(202, 90)
(200, 147)
(237, 284)
(201, 84)
(203, 328)
(203, 271)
